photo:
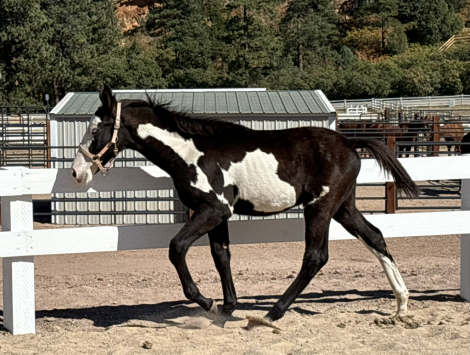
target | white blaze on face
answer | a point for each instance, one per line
(185, 148)
(258, 182)
(82, 165)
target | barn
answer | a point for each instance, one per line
(259, 109)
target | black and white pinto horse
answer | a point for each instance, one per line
(220, 168)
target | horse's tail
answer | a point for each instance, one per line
(388, 162)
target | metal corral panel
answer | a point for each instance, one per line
(260, 110)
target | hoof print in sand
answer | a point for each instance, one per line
(147, 345)
(406, 322)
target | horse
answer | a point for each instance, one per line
(452, 131)
(354, 130)
(411, 131)
(220, 168)
(404, 132)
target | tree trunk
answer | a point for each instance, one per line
(383, 35)
(56, 91)
(245, 30)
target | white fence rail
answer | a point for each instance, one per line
(19, 243)
(402, 102)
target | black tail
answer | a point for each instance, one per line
(389, 163)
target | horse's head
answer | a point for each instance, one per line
(103, 140)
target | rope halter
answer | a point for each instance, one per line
(96, 158)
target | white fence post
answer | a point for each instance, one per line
(18, 273)
(465, 246)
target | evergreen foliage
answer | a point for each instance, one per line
(369, 48)
(309, 30)
(25, 51)
(83, 35)
(251, 47)
(190, 36)
(429, 21)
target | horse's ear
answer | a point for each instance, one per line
(106, 96)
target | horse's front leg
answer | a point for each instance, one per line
(204, 219)
(219, 239)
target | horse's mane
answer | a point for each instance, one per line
(183, 123)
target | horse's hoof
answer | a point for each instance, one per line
(254, 321)
(228, 309)
(401, 313)
(213, 309)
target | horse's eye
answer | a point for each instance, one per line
(94, 131)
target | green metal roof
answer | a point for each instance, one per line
(215, 101)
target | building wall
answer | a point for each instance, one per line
(68, 131)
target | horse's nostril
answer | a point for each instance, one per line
(74, 173)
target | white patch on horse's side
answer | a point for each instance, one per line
(185, 148)
(82, 165)
(258, 182)
(325, 190)
(394, 278)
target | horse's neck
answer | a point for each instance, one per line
(166, 149)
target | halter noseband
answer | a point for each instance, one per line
(96, 159)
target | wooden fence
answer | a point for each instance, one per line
(19, 242)
(454, 39)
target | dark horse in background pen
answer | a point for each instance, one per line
(220, 168)
(408, 132)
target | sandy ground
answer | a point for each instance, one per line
(132, 303)
(122, 302)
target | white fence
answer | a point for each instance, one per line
(19, 243)
(355, 111)
(402, 102)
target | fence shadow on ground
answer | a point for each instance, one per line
(165, 312)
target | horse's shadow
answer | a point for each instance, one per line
(166, 312)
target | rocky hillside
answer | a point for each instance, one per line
(130, 13)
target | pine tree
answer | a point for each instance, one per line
(379, 14)
(188, 32)
(25, 51)
(429, 21)
(142, 71)
(308, 28)
(84, 36)
(252, 48)
(347, 56)
(396, 41)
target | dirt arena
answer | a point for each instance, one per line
(132, 303)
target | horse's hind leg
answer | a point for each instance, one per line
(317, 222)
(355, 223)
(219, 241)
